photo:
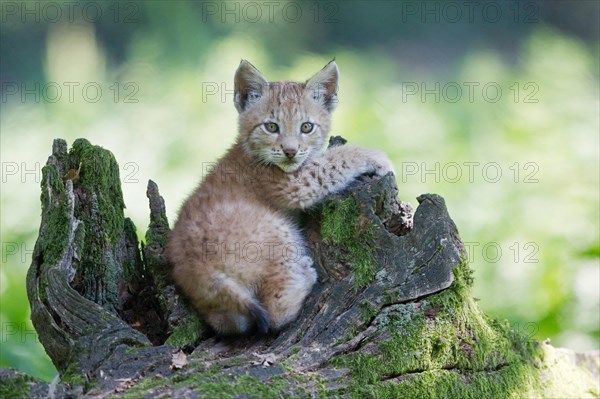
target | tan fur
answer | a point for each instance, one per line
(235, 248)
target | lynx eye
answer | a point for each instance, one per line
(307, 127)
(271, 127)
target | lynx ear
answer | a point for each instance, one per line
(323, 86)
(249, 85)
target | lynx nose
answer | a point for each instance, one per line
(289, 152)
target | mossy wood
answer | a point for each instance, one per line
(392, 314)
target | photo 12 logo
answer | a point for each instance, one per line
(13, 12)
(16, 252)
(528, 330)
(224, 92)
(17, 331)
(469, 11)
(492, 252)
(25, 172)
(270, 11)
(453, 92)
(53, 92)
(252, 252)
(21, 171)
(469, 172)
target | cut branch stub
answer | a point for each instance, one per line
(182, 326)
(77, 269)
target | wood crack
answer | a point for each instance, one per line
(454, 368)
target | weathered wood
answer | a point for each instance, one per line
(152, 302)
(391, 315)
(82, 241)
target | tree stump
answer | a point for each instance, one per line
(391, 315)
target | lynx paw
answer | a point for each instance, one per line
(379, 163)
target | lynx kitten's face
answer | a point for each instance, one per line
(284, 123)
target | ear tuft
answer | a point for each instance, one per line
(323, 85)
(249, 85)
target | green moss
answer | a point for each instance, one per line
(520, 379)
(209, 385)
(100, 175)
(307, 378)
(56, 213)
(73, 378)
(187, 334)
(132, 350)
(250, 387)
(143, 387)
(131, 269)
(513, 381)
(16, 386)
(97, 239)
(350, 334)
(157, 232)
(103, 220)
(436, 342)
(344, 227)
(367, 311)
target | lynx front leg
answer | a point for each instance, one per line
(329, 173)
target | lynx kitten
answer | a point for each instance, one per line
(236, 250)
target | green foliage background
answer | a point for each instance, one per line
(532, 231)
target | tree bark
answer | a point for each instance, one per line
(391, 316)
